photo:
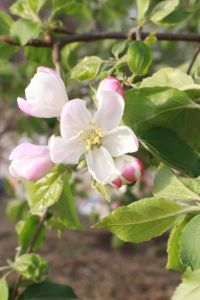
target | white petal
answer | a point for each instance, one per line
(38, 109)
(47, 88)
(120, 140)
(74, 118)
(65, 151)
(101, 165)
(19, 167)
(12, 170)
(110, 111)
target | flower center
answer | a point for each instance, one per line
(91, 137)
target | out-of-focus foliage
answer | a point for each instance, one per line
(161, 106)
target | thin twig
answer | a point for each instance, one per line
(90, 37)
(56, 56)
(35, 236)
(138, 36)
(193, 60)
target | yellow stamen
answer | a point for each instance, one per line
(91, 137)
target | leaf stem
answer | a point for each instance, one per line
(193, 60)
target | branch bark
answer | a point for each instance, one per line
(90, 37)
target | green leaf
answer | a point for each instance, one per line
(168, 148)
(5, 23)
(189, 289)
(36, 5)
(68, 7)
(142, 6)
(190, 244)
(142, 220)
(46, 191)
(69, 55)
(139, 58)
(170, 77)
(168, 185)
(41, 57)
(7, 51)
(26, 230)
(17, 210)
(116, 242)
(177, 16)
(102, 189)
(47, 291)
(87, 68)
(119, 48)
(67, 206)
(4, 293)
(162, 10)
(173, 247)
(31, 266)
(24, 30)
(27, 9)
(146, 108)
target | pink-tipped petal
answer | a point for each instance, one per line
(39, 168)
(133, 171)
(110, 84)
(117, 182)
(30, 161)
(129, 174)
(27, 149)
(24, 106)
(48, 71)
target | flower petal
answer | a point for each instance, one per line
(120, 140)
(37, 109)
(74, 118)
(48, 71)
(29, 150)
(24, 106)
(110, 111)
(101, 165)
(66, 151)
(39, 168)
(46, 94)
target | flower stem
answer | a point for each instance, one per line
(34, 239)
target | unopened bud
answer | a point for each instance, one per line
(130, 173)
(110, 84)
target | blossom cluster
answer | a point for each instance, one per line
(98, 138)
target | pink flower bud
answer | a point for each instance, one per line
(110, 84)
(45, 95)
(131, 170)
(30, 161)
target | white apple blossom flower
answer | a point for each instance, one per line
(45, 95)
(98, 137)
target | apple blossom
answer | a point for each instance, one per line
(30, 161)
(110, 84)
(131, 169)
(98, 137)
(45, 95)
